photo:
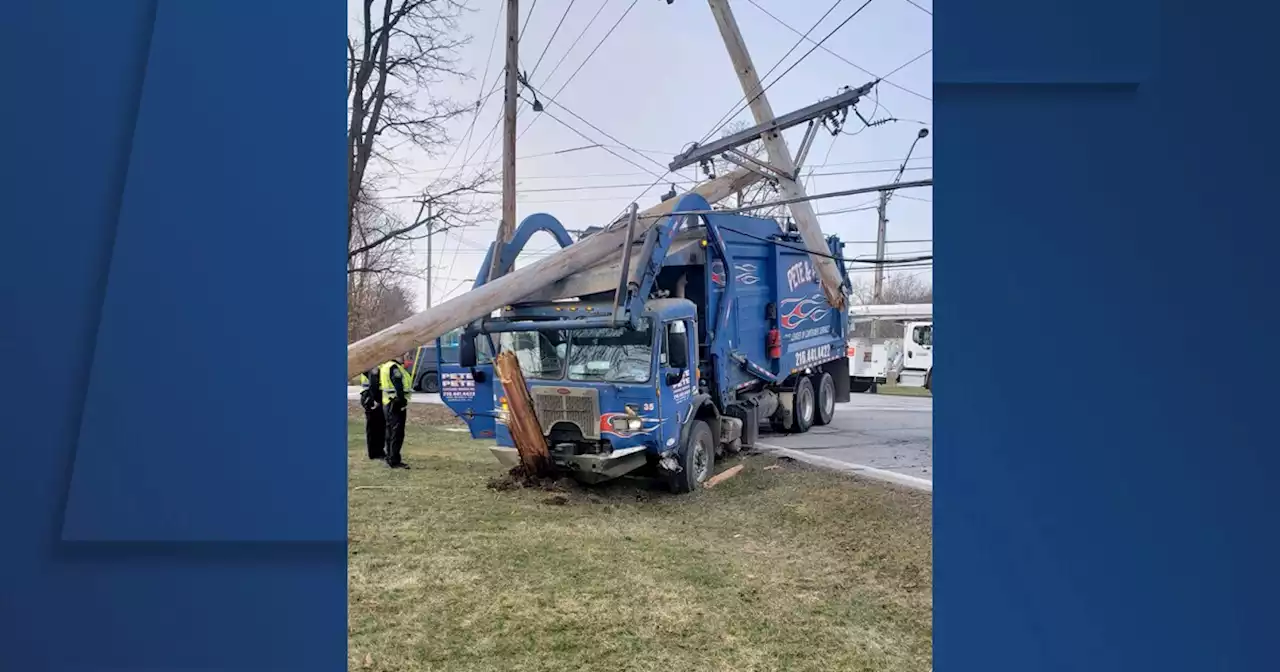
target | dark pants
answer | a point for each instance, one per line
(375, 427)
(396, 416)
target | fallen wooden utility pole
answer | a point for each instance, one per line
(779, 155)
(522, 422)
(520, 283)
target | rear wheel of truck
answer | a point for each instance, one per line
(804, 406)
(431, 382)
(698, 459)
(826, 400)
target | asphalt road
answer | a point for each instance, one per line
(880, 436)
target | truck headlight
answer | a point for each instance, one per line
(618, 424)
(633, 424)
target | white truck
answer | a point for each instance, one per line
(871, 361)
(917, 359)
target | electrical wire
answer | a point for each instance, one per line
(828, 255)
(910, 2)
(577, 40)
(815, 46)
(583, 63)
(733, 109)
(599, 130)
(784, 24)
(551, 39)
(904, 65)
(520, 35)
(589, 139)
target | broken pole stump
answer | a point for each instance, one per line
(522, 422)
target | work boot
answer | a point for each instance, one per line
(397, 465)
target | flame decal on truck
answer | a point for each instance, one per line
(746, 273)
(802, 309)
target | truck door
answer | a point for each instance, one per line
(919, 346)
(676, 364)
(468, 391)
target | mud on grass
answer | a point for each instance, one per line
(780, 569)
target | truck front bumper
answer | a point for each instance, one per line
(586, 468)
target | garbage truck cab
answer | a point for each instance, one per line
(661, 362)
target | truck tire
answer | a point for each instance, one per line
(804, 406)
(826, 406)
(928, 381)
(698, 460)
(859, 386)
(431, 382)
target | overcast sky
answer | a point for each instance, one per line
(662, 80)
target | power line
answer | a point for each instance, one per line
(779, 243)
(900, 67)
(910, 2)
(815, 46)
(552, 38)
(583, 63)
(599, 130)
(528, 16)
(577, 40)
(916, 198)
(733, 109)
(588, 138)
(784, 24)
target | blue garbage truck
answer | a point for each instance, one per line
(677, 351)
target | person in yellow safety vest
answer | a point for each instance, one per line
(394, 382)
(375, 420)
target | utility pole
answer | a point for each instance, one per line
(882, 210)
(877, 292)
(507, 227)
(430, 269)
(779, 155)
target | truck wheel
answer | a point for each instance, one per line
(804, 406)
(826, 400)
(431, 382)
(859, 386)
(698, 460)
(928, 380)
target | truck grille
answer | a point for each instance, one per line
(577, 406)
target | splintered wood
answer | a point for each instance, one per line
(723, 476)
(522, 422)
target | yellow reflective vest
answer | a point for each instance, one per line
(388, 387)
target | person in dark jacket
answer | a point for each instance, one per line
(394, 381)
(375, 420)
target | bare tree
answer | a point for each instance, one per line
(398, 56)
(760, 192)
(375, 303)
(898, 288)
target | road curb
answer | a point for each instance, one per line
(913, 482)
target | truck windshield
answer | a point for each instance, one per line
(540, 353)
(621, 355)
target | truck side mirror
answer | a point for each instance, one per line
(674, 377)
(467, 351)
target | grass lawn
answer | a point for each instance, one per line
(776, 569)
